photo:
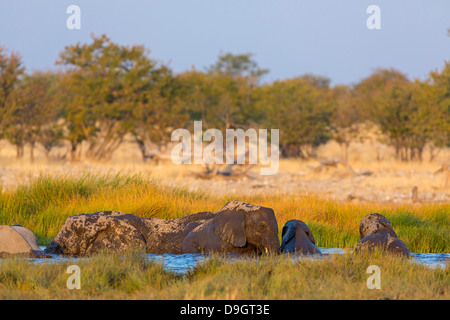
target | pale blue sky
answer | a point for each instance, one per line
(288, 37)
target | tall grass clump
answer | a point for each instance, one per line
(104, 275)
(43, 204)
(332, 277)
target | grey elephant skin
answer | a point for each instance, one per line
(112, 230)
(18, 240)
(298, 238)
(117, 231)
(239, 228)
(376, 232)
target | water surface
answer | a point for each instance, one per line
(182, 263)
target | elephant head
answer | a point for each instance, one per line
(298, 238)
(237, 228)
(376, 231)
(375, 223)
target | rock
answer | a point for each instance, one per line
(375, 231)
(18, 240)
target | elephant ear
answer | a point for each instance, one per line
(229, 225)
(308, 232)
(288, 232)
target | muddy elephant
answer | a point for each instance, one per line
(113, 230)
(117, 231)
(298, 238)
(237, 228)
(375, 231)
(18, 240)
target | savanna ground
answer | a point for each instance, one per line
(331, 200)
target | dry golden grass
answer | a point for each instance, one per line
(391, 181)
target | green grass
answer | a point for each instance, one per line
(112, 276)
(43, 204)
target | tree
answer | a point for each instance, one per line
(106, 82)
(232, 81)
(158, 114)
(240, 65)
(33, 109)
(432, 120)
(218, 100)
(388, 100)
(301, 109)
(11, 70)
(347, 119)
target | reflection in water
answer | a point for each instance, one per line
(182, 263)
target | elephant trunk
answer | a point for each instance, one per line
(272, 246)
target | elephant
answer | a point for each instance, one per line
(376, 232)
(298, 238)
(18, 240)
(237, 228)
(117, 231)
(113, 230)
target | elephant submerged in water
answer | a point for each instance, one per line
(376, 232)
(237, 228)
(18, 240)
(117, 231)
(298, 238)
